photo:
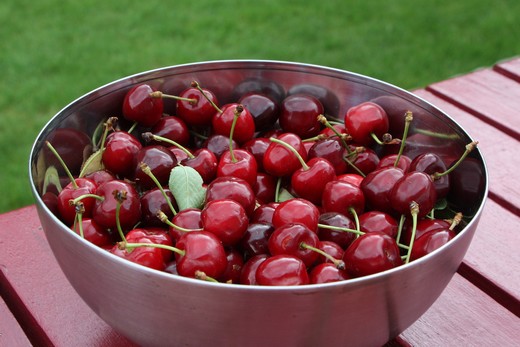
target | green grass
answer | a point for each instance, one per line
(52, 51)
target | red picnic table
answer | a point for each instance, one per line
(480, 306)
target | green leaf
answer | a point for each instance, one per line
(186, 187)
(93, 163)
(52, 178)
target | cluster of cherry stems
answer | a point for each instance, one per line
(277, 194)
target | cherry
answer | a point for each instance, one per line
(248, 275)
(225, 218)
(299, 115)
(271, 89)
(331, 248)
(119, 155)
(366, 121)
(403, 162)
(160, 161)
(279, 160)
(104, 211)
(218, 144)
(255, 239)
(377, 185)
(233, 270)
(327, 98)
(245, 127)
(282, 270)
(238, 163)
(100, 176)
(265, 188)
(288, 239)
(336, 220)
(76, 189)
(413, 186)
(310, 181)
(139, 106)
(363, 162)
(327, 273)
(69, 145)
(172, 128)
(189, 219)
(257, 148)
(202, 251)
(426, 225)
(343, 197)
(264, 213)
(371, 221)
(432, 163)
(351, 178)
(205, 162)
(153, 201)
(233, 188)
(296, 210)
(93, 232)
(264, 109)
(371, 253)
(196, 113)
(430, 241)
(332, 150)
(158, 236)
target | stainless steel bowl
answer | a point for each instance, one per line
(155, 308)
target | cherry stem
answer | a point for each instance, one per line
(408, 117)
(195, 84)
(323, 120)
(456, 221)
(120, 196)
(164, 218)
(293, 150)
(347, 160)
(238, 110)
(376, 139)
(109, 125)
(277, 190)
(196, 134)
(201, 275)
(340, 264)
(67, 171)
(148, 136)
(146, 169)
(469, 147)
(353, 212)
(332, 227)
(80, 209)
(158, 94)
(132, 128)
(131, 245)
(77, 200)
(315, 138)
(414, 210)
(400, 228)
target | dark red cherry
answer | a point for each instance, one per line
(365, 161)
(390, 159)
(205, 162)
(257, 148)
(331, 248)
(296, 210)
(244, 128)
(264, 213)
(364, 120)
(431, 241)
(371, 221)
(160, 160)
(203, 252)
(432, 163)
(200, 112)
(377, 185)
(100, 176)
(371, 253)
(327, 273)
(280, 161)
(264, 109)
(93, 232)
(343, 197)
(266, 87)
(265, 188)
(332, 150)
(288, 239)
(255, 239)
(225, 218)
(81, 186)
(335, 219)
(327, 98)
(172, 128)
(423, 226)
(416, 187)
(233, 270)
(140, 107)
(104, 211)
(282, 270)
(153, 202)
(119, 155)
(309, 182)
(70, 145)
(248, 275)
(299, 115)
(218, 144)
(238, 163)
(233, 188)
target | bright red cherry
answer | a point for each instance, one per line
(432, 163)
(338, 220)
(73, 190)
(327, 273)
(414, 186)
(225, 218)
(296, 210)
(288, 239)
(430, 241)
(309, 181)
(140, 107)
(200, 112)
(233, 188)
(265, 188)
(390, 159)
(282, 270)
(244, 127)
(377, 185)
(172, 128)
(93, 232)
(366, 120)
(343, 197)
(238, 163)
(205, 162)
(280, 161)
(371, 221)
(119, 155)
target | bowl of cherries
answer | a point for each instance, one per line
(246, 202)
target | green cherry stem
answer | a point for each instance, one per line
(340, 264)
(238, 110)
(158, 94)
(201, 275)
(80, 209)
(323, 120)
(132, 128)
(120, 196)
(332, 227)
(293, 150)
(356, 217)
(469, 147)
(131, 245)
(67, 171)
(164, 218)
(146, 169)
(196, 84)
(277, 189)
(148, 136)
(408, 117)
(414, 210)
(400, 228)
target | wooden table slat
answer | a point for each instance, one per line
(509, 68)
(487, 95)
(496, 147)
(11, 333)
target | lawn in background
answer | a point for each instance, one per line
(53, 51)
